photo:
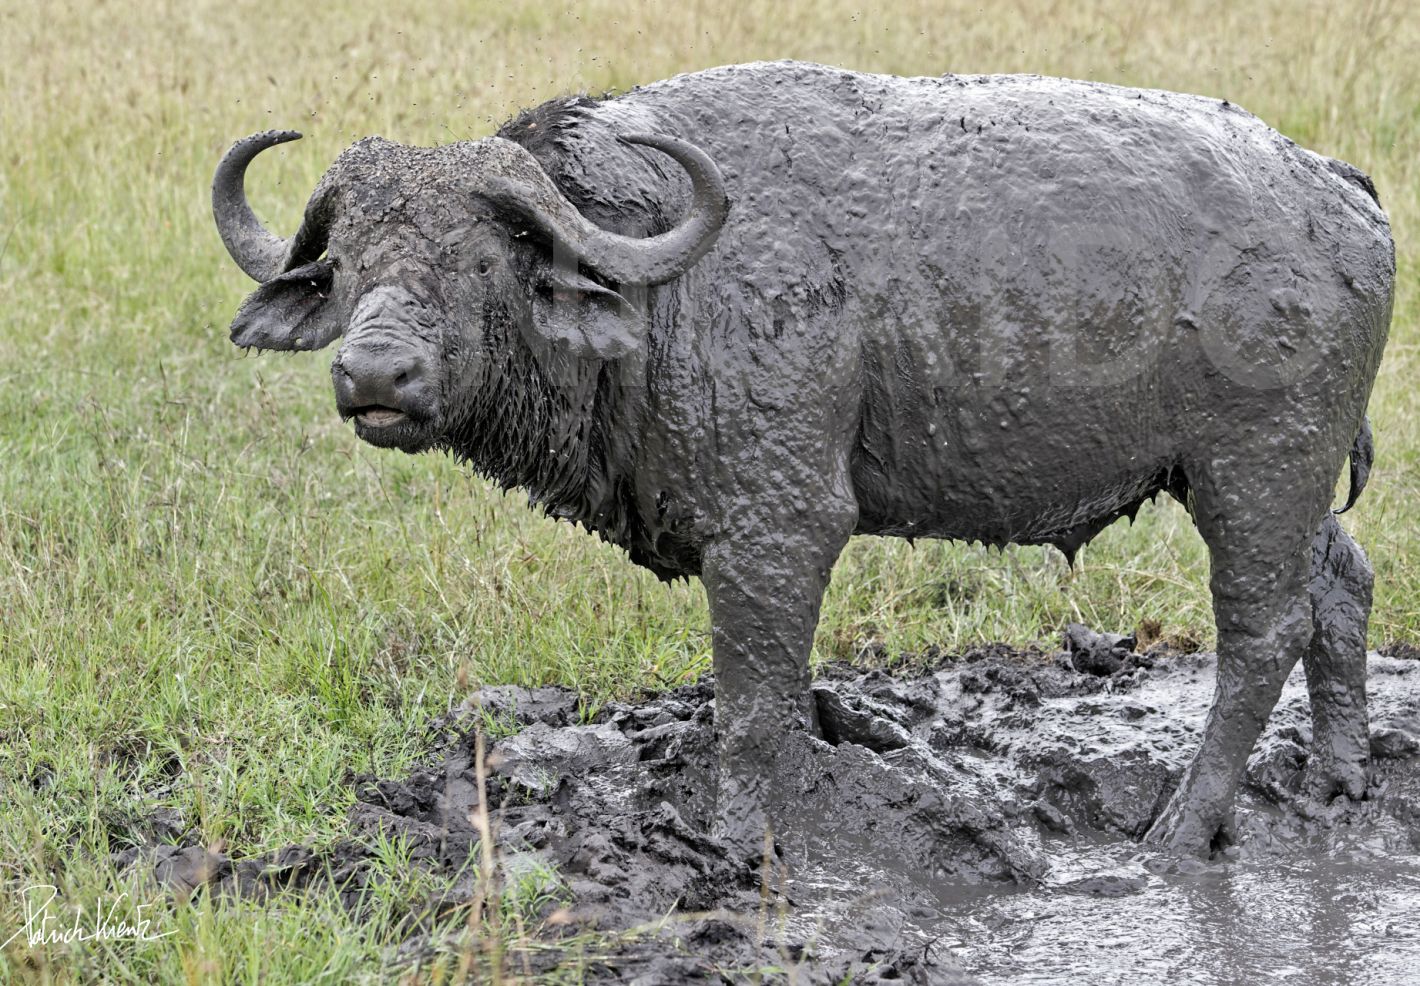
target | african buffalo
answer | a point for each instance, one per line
(730, 319)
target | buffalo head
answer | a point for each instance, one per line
(431, 261)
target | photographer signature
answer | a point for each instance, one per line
(43, 927)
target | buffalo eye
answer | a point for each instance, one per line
(485, 266)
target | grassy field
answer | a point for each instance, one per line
(214, 600)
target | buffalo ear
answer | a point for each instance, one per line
(290, 311)
(578, 316)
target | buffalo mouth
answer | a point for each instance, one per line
(391, 427)
(378, 416)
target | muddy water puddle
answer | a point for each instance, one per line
(1326, 919)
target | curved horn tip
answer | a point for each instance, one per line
(253, 144)
(273, 137)
(704, 173)
(257, 252)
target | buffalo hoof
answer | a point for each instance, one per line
(1189, 830)
(1329, 778)
(743, 824)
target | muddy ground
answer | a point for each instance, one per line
(973, 819)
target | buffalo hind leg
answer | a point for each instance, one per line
(1261, 559)
(1335, 663)
(765, 589)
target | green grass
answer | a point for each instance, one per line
(213, 599)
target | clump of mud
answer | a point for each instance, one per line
(976, 816)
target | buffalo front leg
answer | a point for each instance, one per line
(1335, 663)
(764, 591)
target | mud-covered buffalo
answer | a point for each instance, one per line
(731, 319)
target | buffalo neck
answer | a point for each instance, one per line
(550, 437)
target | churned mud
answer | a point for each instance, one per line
(973, 820)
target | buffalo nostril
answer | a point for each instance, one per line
(402, 378)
